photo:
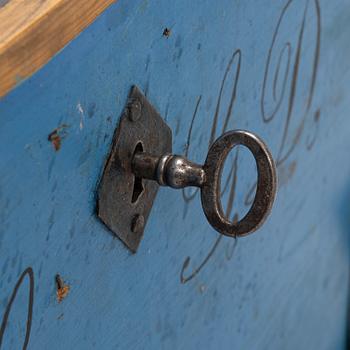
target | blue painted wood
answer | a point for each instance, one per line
(279, 69)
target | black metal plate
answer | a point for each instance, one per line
(115, 206)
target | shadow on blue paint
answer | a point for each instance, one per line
(344, 212)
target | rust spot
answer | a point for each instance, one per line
(62, 289)
(166, 32)
(55, 139)
(56, 136)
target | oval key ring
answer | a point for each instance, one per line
(265, 190)
(178, 172)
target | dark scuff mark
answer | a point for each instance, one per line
(57, 135)
(91, 109)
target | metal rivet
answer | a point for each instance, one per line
(135, 109)
(137, 223)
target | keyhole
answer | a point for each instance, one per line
(138, 186)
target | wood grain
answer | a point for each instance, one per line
(33, 31)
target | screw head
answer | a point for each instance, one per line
(135, 109)
(137, 223)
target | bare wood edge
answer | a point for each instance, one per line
(33, 47)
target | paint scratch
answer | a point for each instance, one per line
(81, 111)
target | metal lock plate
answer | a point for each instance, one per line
(124, 200)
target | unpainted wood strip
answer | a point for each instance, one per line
(33, 31)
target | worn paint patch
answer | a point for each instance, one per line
(285, 173)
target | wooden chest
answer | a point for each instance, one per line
(278, 68)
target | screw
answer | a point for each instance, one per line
(135, 110)
(137, 223)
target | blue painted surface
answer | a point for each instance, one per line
(285, 287)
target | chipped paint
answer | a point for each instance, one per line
(62, 289)
(57, 135)
(81, 112)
